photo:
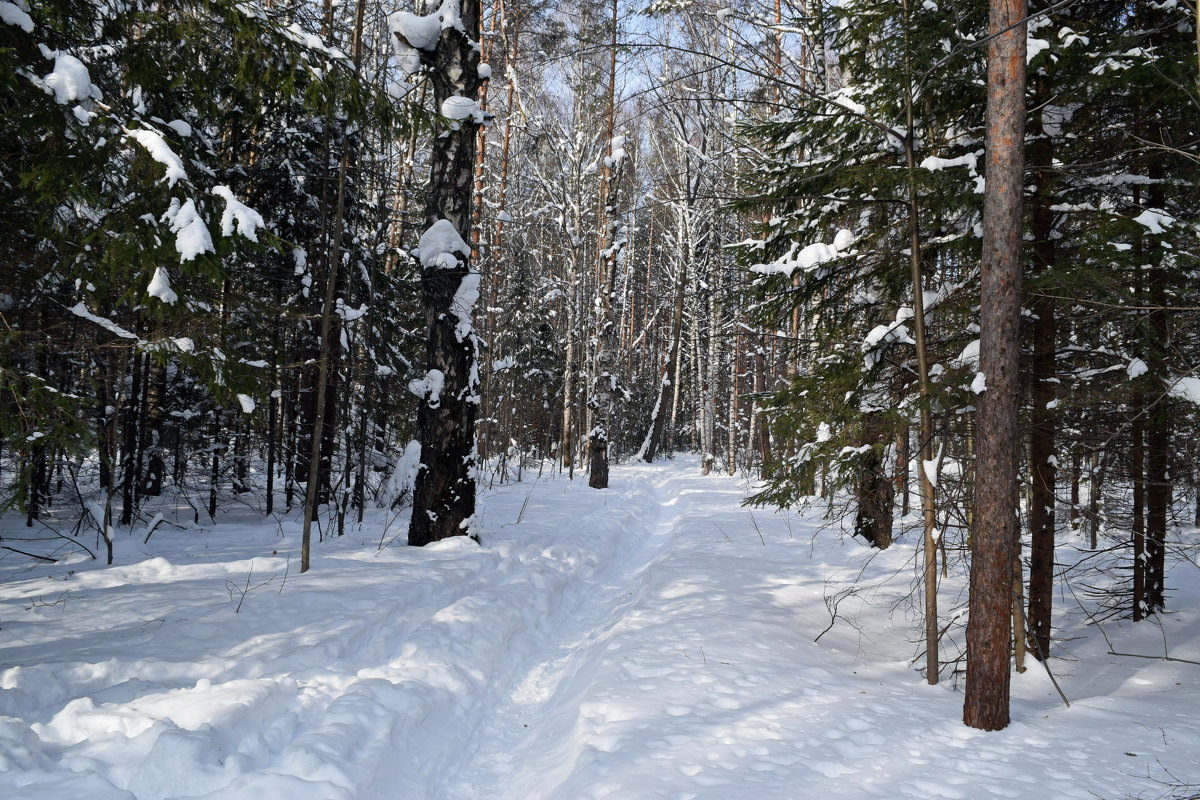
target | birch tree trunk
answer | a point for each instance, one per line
(444, 491)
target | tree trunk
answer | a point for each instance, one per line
(1137, 475)
(603, 386)
(1158, 423)
(1043, 469)
(444, 493)
(670, 376)
(873, 520)
(156, 468)
(986, 702)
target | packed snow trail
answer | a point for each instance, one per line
(653, 640)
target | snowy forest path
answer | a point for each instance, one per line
(653, 641)
(524, 734)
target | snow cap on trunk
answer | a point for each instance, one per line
(412, 33)
(457, 108)
(439, 244)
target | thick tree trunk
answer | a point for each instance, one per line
(875, 492)
(156, 468)
(603, 386)
(1158, 423)
(986, 702)
(444, 493)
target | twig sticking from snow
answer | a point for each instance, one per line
(232, 587)
(754, 522)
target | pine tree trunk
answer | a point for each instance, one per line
(129, 441)
(1043, 469)
(214, 472)
(1158, 423)
(986, 702)
(1137, 476)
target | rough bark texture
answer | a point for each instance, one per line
(875, 492)
(1137, 474)
(995, 520)
(1158, 430)
(602, 390)
(1043, 418)
(444, 492)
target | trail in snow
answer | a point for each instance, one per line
(654, 640)
(531, 729)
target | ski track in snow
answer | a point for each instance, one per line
(529, 730)
(653, 640)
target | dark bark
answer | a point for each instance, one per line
(143, 437)
(272, 436)
(603, 387)
(901, 477)
(156, 467)
(1158, 441)
(216, 445)
(1096, 476)
(37, 483)
(1076, 477)
(100, 369)
(598, 473)
(875, 491)
(129, 442)
(444, 492)
(291, 429)
(1158, 423)
(1043, 417)
(986, 702)
(1137, 475)
(760, 387)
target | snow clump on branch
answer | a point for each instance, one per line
(248, 220)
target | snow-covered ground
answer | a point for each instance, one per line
(654, 640)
